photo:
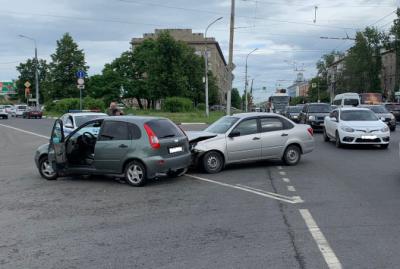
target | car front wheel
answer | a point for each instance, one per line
(326, 137)
(213, 162)
(135, 174)
(292, 155)
(338, 143)
(46, 170)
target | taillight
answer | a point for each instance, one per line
(153, 139)
(310, 131)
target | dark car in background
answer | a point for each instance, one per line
(293, 113)
(32, 112)
(314, 114)
(135, 148)
(393, 108)
(383, 114)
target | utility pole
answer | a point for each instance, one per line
(36, 69)
(246, 82)
(206, 64)
(230, 60)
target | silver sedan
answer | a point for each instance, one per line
(250, 137)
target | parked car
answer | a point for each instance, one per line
(314, 114)
(137, 148)
(3, 113)
(32, 112)
(356, 126)
(19, 110)
(293, 113)
(393, 108)
(10, 109)
(72, 121)
(217, 108)
(250, 137)
(384, 115)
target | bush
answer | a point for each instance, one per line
(178, 104)
(91, 103)
(64, 105)
(201, 107)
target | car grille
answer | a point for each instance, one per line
(365, 131)
(320, 118)
(361, 140)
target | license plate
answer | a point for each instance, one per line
(368, 137)
(175, 150)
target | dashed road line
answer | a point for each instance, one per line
(286, 180)
(272, 195)
(282, 173)
(23, 131)
(291, 188)
(323, 245)
(279, 167)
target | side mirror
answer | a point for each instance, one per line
(234, 134)
(69, 126)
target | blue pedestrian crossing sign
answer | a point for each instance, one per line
(80, 74)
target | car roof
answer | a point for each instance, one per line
(353, 108)
(86, 114)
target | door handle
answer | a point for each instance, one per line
(284, 134)
(123, 146)
(256, 138)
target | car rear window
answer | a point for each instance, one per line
(165, 129)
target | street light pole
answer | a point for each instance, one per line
(246, 81)
(230, 61)
(206, 64)
(36, 68)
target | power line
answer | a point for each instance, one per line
(384, 17)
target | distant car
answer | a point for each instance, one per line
(10, 109)
(356, 126)
(383, 114)
(217, 108)
(32, 113)
(394, 108)
(250, 137)
(72, 121)
(136, 148)
(3, 113)
(314, 114)
(19, 110)
(292, 112)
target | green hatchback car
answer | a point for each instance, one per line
(135, 148)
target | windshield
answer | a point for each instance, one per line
(319, 109)
(80, 120)
(358, 115)
(295, 109)
(222, 125)
(280, 98)
(21, 107)
(378, 109)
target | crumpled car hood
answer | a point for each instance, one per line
(197, 136)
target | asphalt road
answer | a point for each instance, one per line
(337, 208)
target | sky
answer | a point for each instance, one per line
(283, 31)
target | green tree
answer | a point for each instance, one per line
(320, 92)
(236, 100)
(66, 61)
(27, 73)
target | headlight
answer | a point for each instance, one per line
(385, 129)
(311, 117)
(347, 129)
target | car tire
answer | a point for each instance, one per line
(338, 143)
(177, 173)
(45, 169)
(135, 174)
(385, 146)
(326, 137)
(292, 155)
(213, 162)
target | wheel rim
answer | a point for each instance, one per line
(292, 155)
(212, 162)
(135, 173)
(47, 170)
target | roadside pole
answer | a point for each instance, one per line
(230, 61)
(80, 85)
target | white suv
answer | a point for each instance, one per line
(20, 109)
(3, 113)
(356, 126)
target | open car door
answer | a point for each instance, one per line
(57, 152)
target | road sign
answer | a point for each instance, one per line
(32, 100)
(27, 84)
(80, 74)
(81, 81)
(81, 87)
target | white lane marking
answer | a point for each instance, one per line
(285, 179)
(291, 200)
(323, 245)
(23, 131)
(282, 173)
(279, 167)
(291, 188)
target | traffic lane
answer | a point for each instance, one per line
(40, 126)
(353, 193)
(168, 224)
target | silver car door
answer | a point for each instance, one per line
(244, 142)
(273, 137)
